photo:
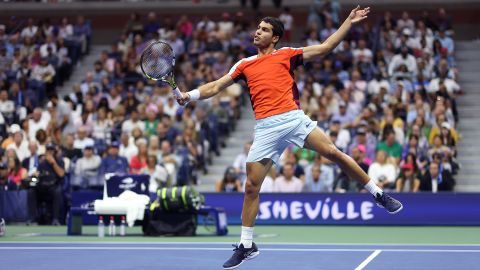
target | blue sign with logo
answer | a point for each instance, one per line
(137, 183)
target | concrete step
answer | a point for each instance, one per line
(467, 45)
(467, 179)
(467, 188)
(467, 55)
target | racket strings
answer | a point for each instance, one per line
(158, 60)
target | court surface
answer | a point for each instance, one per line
(281, 247)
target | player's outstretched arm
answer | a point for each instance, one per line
(356, 15)
(207, 90)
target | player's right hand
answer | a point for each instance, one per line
(184, 99)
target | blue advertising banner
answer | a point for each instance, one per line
(345, 209)
(354, 208)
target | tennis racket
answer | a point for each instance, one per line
(157, 63)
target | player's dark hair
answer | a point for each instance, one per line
(277, 26)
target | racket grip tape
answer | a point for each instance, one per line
(177, 92)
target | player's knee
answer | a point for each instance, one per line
(252, 188)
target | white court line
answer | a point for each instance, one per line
(368, 259)
(228, 243)
(229, 249)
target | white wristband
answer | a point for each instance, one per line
(194, 94)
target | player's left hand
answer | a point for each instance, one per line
(357, 15)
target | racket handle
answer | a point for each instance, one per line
(177, 92)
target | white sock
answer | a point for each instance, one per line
(373, 188)
(246, 237)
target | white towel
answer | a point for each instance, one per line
(129, 203)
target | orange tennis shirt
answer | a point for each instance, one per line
(270, 81)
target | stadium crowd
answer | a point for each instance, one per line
(386, 96)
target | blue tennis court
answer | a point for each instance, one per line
(79, 256)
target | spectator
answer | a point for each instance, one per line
(404, 59)
(86, 170)
(31, 163)
(159, 177)
(170, 160)
(287, 20)
(19, 145)
(4, 185)
(128, 149)
(381, 172)
(134, 121)
(113, 163)
(38, 121)
(230, 182)
(321, 179)
(437, 179)
(49, 188)
(287, 182)
(139, 161)
(390, 145)
(343, 183)
(408, 179)
(82, 139)
(16, 173)
(69, 149)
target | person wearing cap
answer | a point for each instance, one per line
(407, 179)
(86, 169)
(50, 177)
(113, 163)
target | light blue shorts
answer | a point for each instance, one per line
(274, 133)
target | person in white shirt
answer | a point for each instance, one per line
(287, 182)
(38, 121)
(206, 24)
(49, 42)
(405, 22)
(7, 107)
(404, 58)
(381, 172)
(362, 53)
(287, 20)
(86, 169)
(82, 140)
(133, 122)
(128, 149)
(19, 144)
(30, 30)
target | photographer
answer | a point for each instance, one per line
(49, 188)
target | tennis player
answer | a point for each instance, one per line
(279, 121)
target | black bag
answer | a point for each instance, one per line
(170, 223)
